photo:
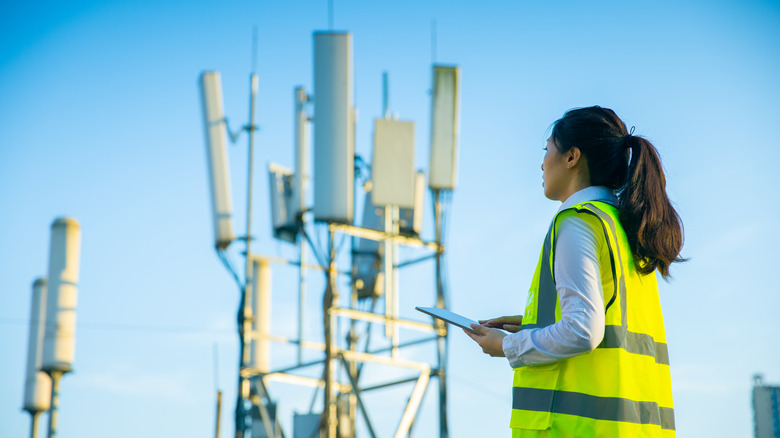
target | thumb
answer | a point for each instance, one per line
(479, 329)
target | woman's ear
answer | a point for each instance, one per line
(573, 156)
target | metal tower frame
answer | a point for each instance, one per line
(253, 398)
(342, 360)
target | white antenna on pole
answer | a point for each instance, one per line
(444, 127)
(334, 149)
(59, 343)
(37, 385)
(216, 156)
(392, 217)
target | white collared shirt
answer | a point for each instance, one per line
(578, 282)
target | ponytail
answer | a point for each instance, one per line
(653, 227)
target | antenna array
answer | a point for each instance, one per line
(392, 218)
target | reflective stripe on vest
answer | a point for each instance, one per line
(624, 385)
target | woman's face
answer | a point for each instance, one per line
(554, 172)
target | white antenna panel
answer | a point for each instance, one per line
(444, 127)
(392, 169)
(410, 219)
(334, 149)
(59, 342)
(301, 174)
(216, 155)
(283, 221)
(260, 348)
(37, 385)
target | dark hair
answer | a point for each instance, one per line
(653, 227)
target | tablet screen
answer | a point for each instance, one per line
(450, 317)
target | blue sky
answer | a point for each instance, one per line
(101, 121)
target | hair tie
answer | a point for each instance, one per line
(627, 138)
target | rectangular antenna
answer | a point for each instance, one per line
(392, 168)
(444, 128)
(334, 149)
(410, 219)
(216, 156)
(280, 183)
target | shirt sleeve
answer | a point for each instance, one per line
(578, 282)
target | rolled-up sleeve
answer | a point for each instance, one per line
(578, 282)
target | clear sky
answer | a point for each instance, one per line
(100, 121)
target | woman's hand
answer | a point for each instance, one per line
(508, 323)
(491, 340)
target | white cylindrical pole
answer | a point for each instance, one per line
(59, 340)
(261, 320)
(37, 385)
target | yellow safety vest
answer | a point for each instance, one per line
(623, 387)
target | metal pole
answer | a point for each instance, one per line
(301, 292)
(441, 343)
(330, 302)
(245, 312)
(55, 401)
(219, 411)
(34, 426)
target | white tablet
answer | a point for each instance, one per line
(447, 316)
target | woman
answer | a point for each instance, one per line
(589, 353)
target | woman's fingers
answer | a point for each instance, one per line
(511, 328)
(502, 322)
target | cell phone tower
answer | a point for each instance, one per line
(392, 218)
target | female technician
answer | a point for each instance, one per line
(589, 353)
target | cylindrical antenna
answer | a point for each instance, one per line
(37, 387)
(385, 95)
(59, 338)
(334, 148)
(261, 321)
(59, 342)
(216, 157)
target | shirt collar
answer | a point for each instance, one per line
(592, 193)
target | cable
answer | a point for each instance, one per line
(223, 257)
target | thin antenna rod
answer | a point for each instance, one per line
(433, 41)
(385, 96)
(254, 48)
(217, 421)
(216, 367)
(330, 15)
